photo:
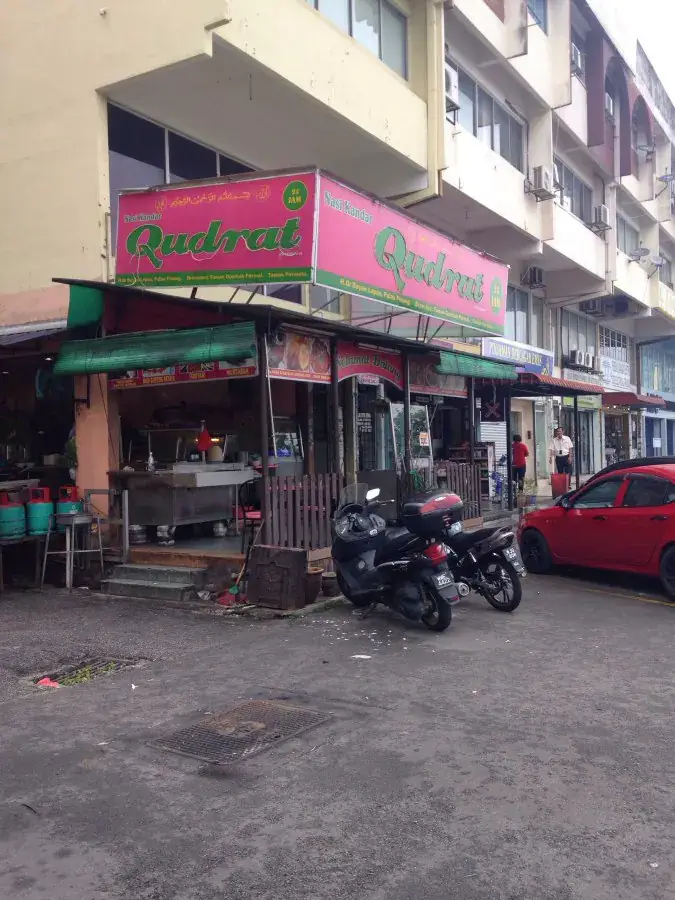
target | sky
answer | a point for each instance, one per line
(653, 26)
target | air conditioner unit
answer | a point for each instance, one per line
(542, 183)
(594, 307)
(609, 106)
(577, 357)
(534, 277)
(577, 60)
(589, 360)
(618, 307)
(451, 88)
(601, 218)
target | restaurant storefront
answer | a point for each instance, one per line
(530, 417)
(198, 397)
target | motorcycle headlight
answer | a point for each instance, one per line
(455, 528)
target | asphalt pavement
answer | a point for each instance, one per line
(514, 757)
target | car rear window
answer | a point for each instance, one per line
(646, 491)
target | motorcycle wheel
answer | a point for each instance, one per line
(439, 614)
(506, 590)
(358, 602)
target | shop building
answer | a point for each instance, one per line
(188, 401)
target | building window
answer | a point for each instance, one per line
(537, 338)
(524, 320)
(189, 161)
(481, 115)
(324, 299)
(143, 154)
(573, 194)
(627, 237)
(539, 11)
(579, 59)
(666, 271)
(377, 24)
(577, 333)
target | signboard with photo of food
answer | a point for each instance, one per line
(299, 357)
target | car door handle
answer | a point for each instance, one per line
(601, 518)
(660, 518)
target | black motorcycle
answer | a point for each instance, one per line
(488, 562)
(403, 567)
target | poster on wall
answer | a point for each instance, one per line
(299, 357)
(184, 373)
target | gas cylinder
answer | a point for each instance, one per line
(39, 510)
(12, 518)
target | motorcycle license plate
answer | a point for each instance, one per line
(443, 580)
(513, 557)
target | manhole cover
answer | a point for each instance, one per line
(86, 669)
(241, 732)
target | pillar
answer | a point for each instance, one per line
(97, 435)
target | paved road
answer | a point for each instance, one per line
(527, 757)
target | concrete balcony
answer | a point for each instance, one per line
(633, 280)
(486, 179)
(665, 302)
(575, 115)
(576, 244)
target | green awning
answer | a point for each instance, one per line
(85, 306)
(474, 367)
(157, 349)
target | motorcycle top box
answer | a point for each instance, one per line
(430, 513)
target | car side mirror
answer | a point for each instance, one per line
(566, 503)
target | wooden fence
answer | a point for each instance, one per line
(461, 478)
(300, 510)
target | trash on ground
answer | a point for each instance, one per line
(47, 682)
(360, 656)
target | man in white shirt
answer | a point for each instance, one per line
(561, 450)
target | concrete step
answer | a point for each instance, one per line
(160, 574)
(151, 590)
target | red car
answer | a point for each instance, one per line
(622, 519)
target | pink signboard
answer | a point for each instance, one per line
(252, 231)
(372, 250)
(183, 372)
(354, 360)
(369, 365)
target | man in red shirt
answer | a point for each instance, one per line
(520, 454)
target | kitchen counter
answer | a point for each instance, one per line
(185, 494)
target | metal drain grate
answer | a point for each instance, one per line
(86, 669)
(241, 732)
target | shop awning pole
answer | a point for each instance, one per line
(509, 448)
(471, 393)
(577, 444)
(335, 406)
(407, 461)
(264, 435)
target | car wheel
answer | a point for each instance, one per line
(667, 572)
(534, 549)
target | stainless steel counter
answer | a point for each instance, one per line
(185, 494)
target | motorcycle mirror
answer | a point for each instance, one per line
(372, 494)
(566, 503)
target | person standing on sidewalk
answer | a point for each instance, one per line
(561, 450)
(520, 454)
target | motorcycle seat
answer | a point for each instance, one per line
(461, 543)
